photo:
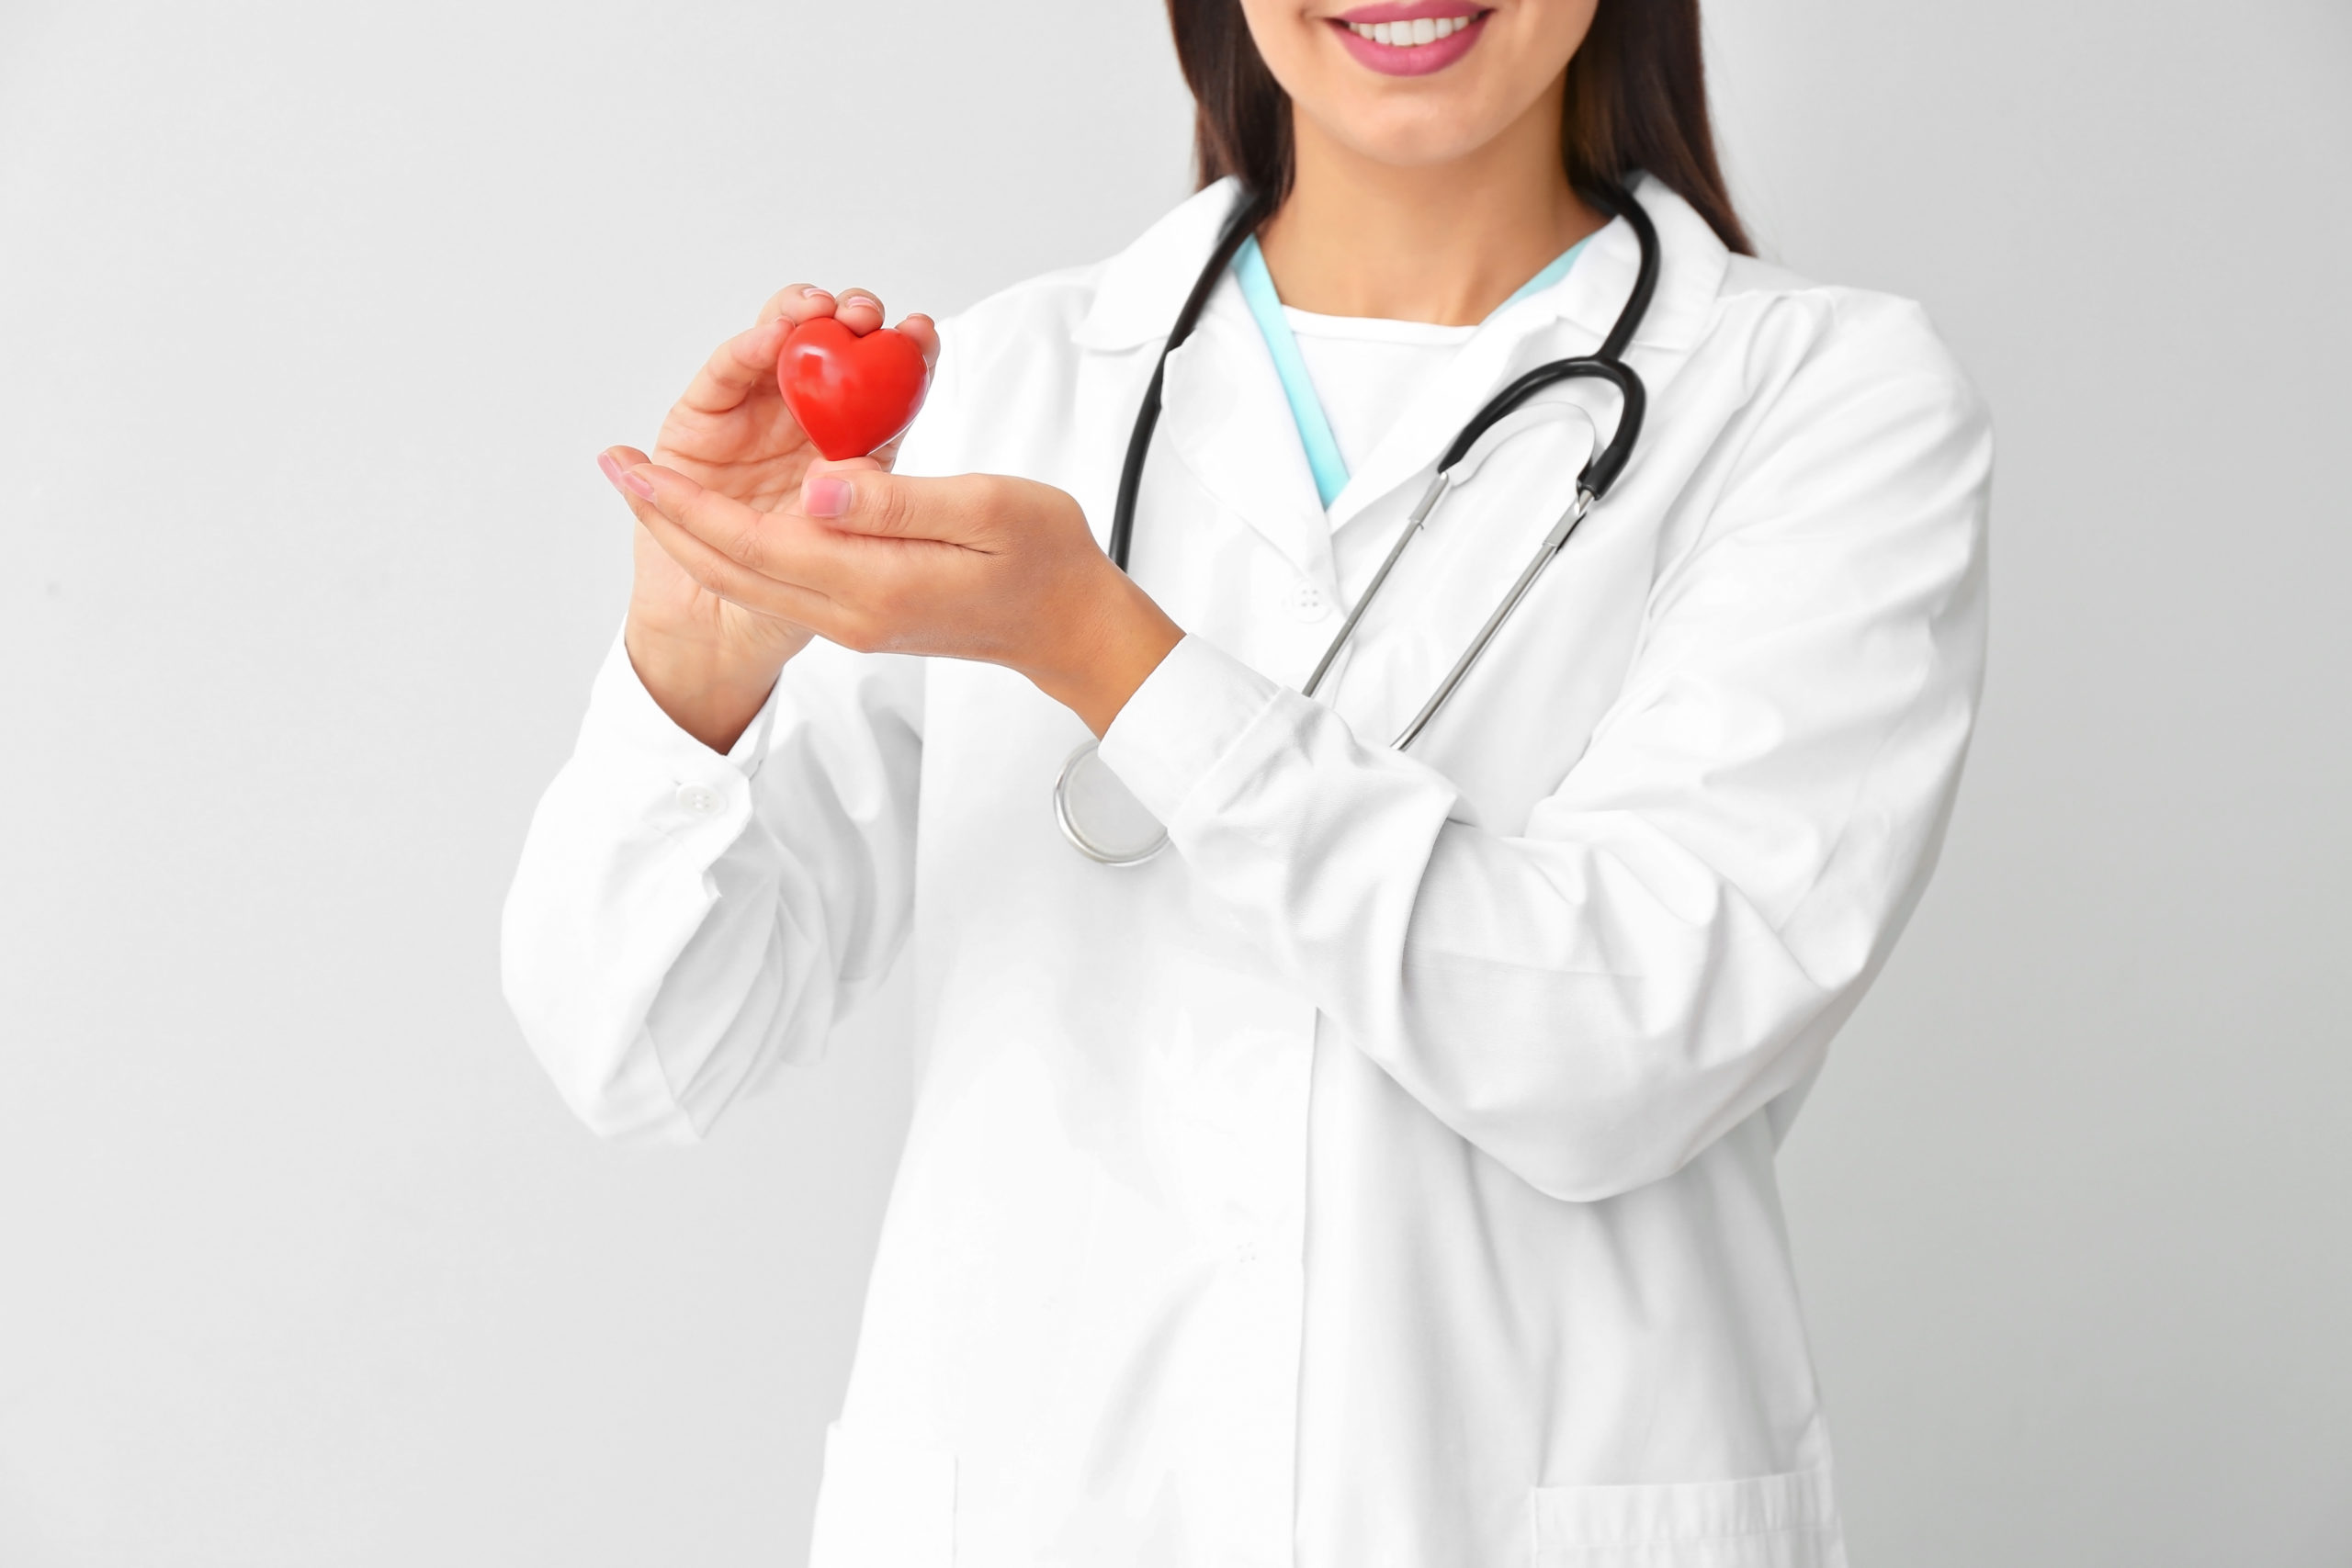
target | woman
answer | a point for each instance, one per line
(1384, 1174)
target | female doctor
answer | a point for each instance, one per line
(1382, 1171)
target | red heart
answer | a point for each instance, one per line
(850, 393)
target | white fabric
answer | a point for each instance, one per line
(1366, 370)
(1384, 1174)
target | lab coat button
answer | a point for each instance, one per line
(701, 799)
(1308, 601)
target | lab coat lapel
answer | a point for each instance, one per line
(1225, 418)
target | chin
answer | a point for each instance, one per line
(1414, 153)
(1411, 135)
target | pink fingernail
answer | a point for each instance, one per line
(825, 496)
(638, 483)
(612, 470)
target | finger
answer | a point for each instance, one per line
(742, 366)
(714, 567)
(626, 467)
(616, 463)
(925, 331)
(781, 546)
(799, 302)
(859, 309)
(740, 586)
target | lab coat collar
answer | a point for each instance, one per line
(1691, 264)
(1144, 286)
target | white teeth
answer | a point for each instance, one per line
(1408, 35)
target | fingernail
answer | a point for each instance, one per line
(825, 496)
(610, 469)
(622, 479)
(813, 292)
(639, 485)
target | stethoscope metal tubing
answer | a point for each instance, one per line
(1553, 543)
(1372, 590)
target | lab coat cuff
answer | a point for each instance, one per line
(685, 787)
(1185, 717)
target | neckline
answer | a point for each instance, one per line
(1377, 329)
(1323, 459)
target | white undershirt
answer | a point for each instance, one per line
(1366, 370)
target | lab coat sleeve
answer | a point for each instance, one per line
(684, 921)
(1667, 946)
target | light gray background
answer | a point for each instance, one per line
(312, 319)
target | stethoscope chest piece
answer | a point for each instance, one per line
(1100, 816)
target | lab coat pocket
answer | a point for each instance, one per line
(1765, 1521)
(883, 1505)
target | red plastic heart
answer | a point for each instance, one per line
(850, 393)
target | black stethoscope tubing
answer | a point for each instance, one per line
(1604, 364)
(1593, 482)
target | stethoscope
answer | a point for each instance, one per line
(1096, 812)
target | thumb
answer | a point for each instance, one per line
(859, 495)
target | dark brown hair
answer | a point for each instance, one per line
(1636, 99)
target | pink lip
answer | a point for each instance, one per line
(1410, 59)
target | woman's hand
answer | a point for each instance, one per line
(976, 567)
(709, 663)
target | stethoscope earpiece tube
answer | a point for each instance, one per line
(1605, 364)
(1244, 222)
(1617, 202)
(1083, 776)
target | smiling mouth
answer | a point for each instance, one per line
(1414, 33)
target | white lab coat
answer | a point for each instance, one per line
(1384, 1174)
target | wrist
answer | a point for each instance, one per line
(1115, 651)
(711, 693)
